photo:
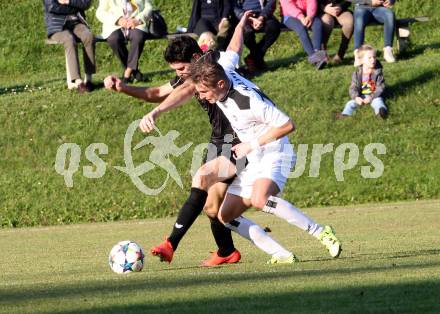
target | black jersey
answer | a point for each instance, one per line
(219, 123)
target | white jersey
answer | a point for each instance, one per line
(250, 112)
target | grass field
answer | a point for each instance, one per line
(390, 264)
(38, 115)
(391, 249)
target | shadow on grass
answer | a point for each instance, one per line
(404, 87)
(24, 88)
(417, 50)
(272, 65)
(420, 297)
(285, 62)
(396, 298)
(134, 283)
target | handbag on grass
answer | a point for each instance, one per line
(157, 27)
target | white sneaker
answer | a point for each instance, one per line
(357, 60)
(388, 54)
(290, 259)
(328, 238)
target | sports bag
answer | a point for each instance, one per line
(157, 27)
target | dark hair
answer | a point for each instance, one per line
(181, 49)
(206, 70)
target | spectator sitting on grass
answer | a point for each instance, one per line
(367, 85)
(65, 23)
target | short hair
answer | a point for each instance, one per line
(181, 49)
(363, 49)
(207, 70)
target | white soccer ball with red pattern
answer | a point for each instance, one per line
(126, 257)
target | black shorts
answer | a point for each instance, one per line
(224, 149)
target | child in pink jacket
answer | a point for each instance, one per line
(301, 16)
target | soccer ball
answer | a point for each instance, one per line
(126, 257)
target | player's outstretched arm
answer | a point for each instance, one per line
(236, 43)
(179, 96)
(154, 94)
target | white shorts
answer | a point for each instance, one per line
(275, 165)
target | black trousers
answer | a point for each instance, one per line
(206, 25)
(118, 42)
(211, 25)
(271, 29)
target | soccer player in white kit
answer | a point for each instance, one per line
(262, 128)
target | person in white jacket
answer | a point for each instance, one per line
(126, 21)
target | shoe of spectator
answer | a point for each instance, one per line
(336, 59)
(383, 113)
(388, 54)
(250, 64)
(89, 85)
(323, 59)
(319, 59)
(83, 88)
(127, 80)
(357, 60)
(340, 116)
(137, 76)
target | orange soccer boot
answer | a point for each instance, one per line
(215, 260)
(164, 250)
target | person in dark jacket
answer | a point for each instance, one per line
(262, 21)
(367, 85)
(66, 24)
(210, 18)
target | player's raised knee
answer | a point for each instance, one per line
(258, 201)
(225, 217)
(201, 181)
(211, 209)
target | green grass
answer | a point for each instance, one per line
(38, 114)
(390, 264)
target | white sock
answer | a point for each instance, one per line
(292, 215)
(254, 233)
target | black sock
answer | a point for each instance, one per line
(187, 215)
(223, 237)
